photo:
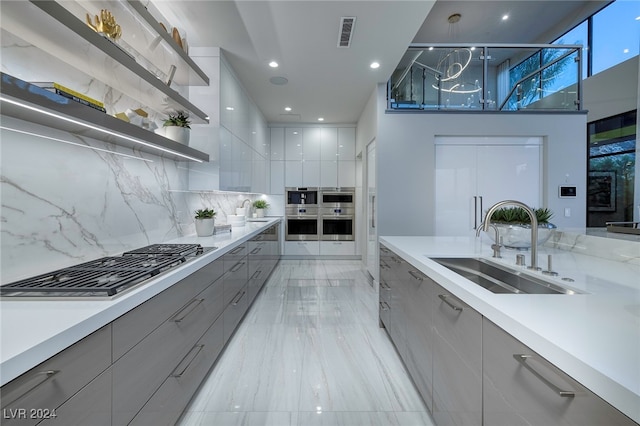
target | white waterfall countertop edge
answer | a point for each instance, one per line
(593, 337)
(32, 331)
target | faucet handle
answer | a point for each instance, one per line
(549, 270)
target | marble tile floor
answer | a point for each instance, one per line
(310, 352)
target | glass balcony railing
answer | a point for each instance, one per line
(543, 77)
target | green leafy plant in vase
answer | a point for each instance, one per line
(260, 206)
(514, 226)
(205, 222)
(177, 127)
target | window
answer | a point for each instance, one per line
(616, 31)
(612, 159)
(578, 35)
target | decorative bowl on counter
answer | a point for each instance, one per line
(518, 236)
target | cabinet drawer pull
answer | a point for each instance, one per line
(193, 304)
(236, 250)
(445, 300)
(186, 367)
(395, 259)
(384, 265)
(255, 250)
(416, 276)
(522, 359)
(48, 374)
(255, 275)
(237, 266)
(385, 286)
(384, 306)
(238, 297)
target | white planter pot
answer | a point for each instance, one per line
(204, 227)
(259, 212)
(178, 134)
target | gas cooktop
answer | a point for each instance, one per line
(107, 276)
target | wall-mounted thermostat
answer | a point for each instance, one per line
(566, 191)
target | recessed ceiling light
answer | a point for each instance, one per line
(375, 65)
(273, 64)
(430, 47)
(287, 109)
(320, 119)
(505, 17)
(473, 48)
(229, 108)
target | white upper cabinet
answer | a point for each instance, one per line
(277, 144)
(347, 144)
(311, 143)
(293, 144)
(329, 148)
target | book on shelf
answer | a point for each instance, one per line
(61, 90)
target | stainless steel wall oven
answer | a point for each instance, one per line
(301, 214)
(337, 214)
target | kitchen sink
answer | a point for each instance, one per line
(500, 279)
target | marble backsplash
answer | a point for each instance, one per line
(619, 248)
(63, 204)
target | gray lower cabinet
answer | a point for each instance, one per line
(166, 405)
(419, 310)
(90, 406)
(457, 361)
(138, 374)
(522, 388)
(42, 391)
(258, 265)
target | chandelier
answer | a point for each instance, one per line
(452, 65)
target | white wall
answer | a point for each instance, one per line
(613, 91)
(405, 148)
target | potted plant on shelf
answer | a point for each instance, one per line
(260, 206)
(205, 222)
(514, 226)
(177, 127)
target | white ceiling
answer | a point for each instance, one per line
(335, 83)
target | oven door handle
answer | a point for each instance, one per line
(337, 216)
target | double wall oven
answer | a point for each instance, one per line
(314, 214)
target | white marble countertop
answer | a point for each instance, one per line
(32, 331)
(594, 337)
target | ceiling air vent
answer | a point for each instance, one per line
(346, 30)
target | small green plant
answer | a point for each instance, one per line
(178, 119)
(205, 213)
(260, 204)
(519, 215)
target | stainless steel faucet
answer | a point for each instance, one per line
(497, 243)
(534, 226)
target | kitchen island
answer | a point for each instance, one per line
(593, 336)
(34, 330)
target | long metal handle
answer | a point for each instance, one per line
(373, 211)
(481, 208)
(236, 250)
(237, 266)
(445, 300)
(475, 212)
(194, 302)
(255, 275)
(186, 367)
(522, 359)
(384, 306)
(255, 250)
(385, 286)
(48, 374)
(238, 297)
(416, 276)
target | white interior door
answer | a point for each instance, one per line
(473, 173)
(372, 231)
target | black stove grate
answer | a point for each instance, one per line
(165, 250)
(105, 276)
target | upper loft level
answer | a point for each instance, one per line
(489, 77)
